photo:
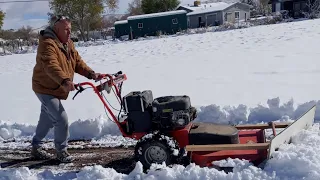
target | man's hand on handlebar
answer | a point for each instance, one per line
(97, 76)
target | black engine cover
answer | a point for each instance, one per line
(167, 104)
(138, 101)
(209, 133)
(138, 106)
(172, 112)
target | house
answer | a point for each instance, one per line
(295, 8)
(169, 22)
(214, 14)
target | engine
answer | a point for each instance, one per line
(163, 113)
(172, 112)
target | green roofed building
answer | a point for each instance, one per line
(169, 22)
(121, 28)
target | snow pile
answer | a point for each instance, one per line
(10, 130)
(17, 174)
(93, 128)
(299, 160)
(242, 114)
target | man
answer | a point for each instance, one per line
(56, 62)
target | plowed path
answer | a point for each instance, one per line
(118, 158)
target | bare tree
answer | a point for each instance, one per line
(2, 16)
(26, 33)
(83, 13)
(108, 21)
(259, 7)
(17, 39)
(134, 8)
(112, 5)
(313, 9)
(9, 34)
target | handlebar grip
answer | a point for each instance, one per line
(117, 74)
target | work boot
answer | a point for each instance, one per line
(39, 153)
(64, 156)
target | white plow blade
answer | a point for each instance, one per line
(304, 122)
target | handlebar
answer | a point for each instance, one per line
(103, 76)
(114, 79)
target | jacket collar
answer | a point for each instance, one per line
(49, 33)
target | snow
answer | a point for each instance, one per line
(212, 8)
(121, 22)
(253, 75)
(167, 13)
(204, 6)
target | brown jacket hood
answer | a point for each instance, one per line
(56, 63)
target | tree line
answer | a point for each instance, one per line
(16, 39)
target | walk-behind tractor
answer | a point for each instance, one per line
(166, 130)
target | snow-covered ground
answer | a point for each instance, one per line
(251, 75)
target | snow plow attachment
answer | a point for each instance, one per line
(253, 145)
(304, 122)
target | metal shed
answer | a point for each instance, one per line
(121, 28)
(169, 22)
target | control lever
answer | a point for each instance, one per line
(80, 89)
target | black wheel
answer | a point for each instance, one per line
(155, 152)
(156, 149)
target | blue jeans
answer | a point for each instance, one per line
(53, 115)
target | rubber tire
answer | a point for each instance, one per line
(144, 147)
(161, 140)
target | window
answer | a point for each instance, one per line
(140, 25)
(175, 21)
(237, 15)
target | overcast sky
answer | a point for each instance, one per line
(35, 13)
